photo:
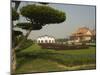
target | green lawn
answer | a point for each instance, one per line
(40, 65)
(35, 59)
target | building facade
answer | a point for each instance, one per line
(82, 34)
(45, 39)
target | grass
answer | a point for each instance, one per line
(35, 59)
(39, 65)
(42, 65)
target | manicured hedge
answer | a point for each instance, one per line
(62, 46)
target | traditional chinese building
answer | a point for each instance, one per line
(82, 34)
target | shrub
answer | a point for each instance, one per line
(62, 46)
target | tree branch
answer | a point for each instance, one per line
(18, 46)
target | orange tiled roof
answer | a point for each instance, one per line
(81, 32)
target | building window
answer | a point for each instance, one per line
(46, 41)
(41, 41)
(49, 41)
(52, 41)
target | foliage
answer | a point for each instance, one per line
(24, 25)
(16, 4)
(27, 26)
(67, 58)
(15, 15)
(63, 46)
(16, 33)
(25, 44)
(41, 15)
(36, 16)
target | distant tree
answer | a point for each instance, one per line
(37, 16)
(62, 41)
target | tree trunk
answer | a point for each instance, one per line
(17, 47)
(13, 59)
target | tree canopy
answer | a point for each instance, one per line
(15, 15)
(27, 26)
(36, 16)
(40, 15)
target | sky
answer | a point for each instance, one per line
(76, 16)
